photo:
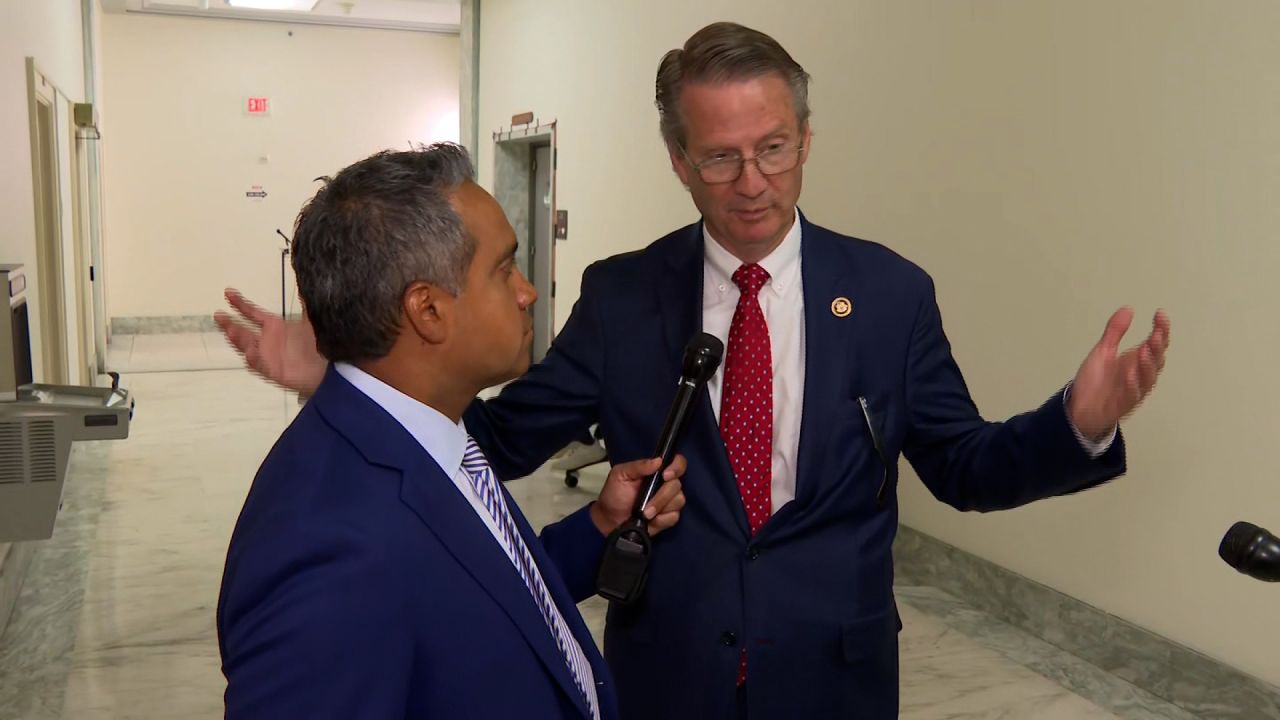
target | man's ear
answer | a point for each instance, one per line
(429, 311)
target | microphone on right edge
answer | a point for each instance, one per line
(1253, 551)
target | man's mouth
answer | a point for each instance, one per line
(752, 215)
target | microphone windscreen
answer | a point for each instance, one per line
(1235, 544)
(702, 356)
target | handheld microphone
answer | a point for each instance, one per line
(1253, 551)
(624, 567)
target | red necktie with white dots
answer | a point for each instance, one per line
(746, 407)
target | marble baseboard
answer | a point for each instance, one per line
(165, 324)
(15, 558)
(1178, 675)
(946, 642)
(161, 324)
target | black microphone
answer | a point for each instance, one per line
(624, 567)
(1253, 551)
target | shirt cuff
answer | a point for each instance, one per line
(1095, 448)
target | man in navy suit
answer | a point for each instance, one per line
(379, 569)
(773, 598)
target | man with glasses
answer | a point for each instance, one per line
(773, 598)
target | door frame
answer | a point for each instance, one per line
(81, 189)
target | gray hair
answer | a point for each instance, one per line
(724, 52)
(370, 232)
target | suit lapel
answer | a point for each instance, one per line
(436, 501)
(828, 337)
(568, 609)
(680, 293)
(680, 298)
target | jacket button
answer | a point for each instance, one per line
(753, 553)
(729, 638)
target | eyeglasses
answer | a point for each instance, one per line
(726, 167)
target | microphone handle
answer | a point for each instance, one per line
(676, 418)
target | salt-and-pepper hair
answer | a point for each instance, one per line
(371, 231)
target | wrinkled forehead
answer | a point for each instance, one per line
(738, 113)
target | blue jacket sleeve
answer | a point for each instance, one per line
(317, 633)
(575, 545)
(972, 464)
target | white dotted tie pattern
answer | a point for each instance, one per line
(476, 466)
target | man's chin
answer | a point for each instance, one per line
(754, 234)
(522, 365)
(518, 367)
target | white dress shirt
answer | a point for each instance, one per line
(782, 300)
(446, 442)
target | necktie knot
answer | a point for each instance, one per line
(750, 278)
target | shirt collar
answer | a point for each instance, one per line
(442, 438)
(783, 264)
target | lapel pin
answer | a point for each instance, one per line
(841, 307)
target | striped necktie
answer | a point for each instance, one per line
(477, 470)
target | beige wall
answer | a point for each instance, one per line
(181, 153)
(1046, 162)
(51, 32)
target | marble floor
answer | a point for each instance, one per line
(116, 617)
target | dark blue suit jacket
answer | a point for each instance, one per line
(811, 595)
(361, 584)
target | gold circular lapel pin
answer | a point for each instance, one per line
(841, 307)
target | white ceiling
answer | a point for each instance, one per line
(440, 16)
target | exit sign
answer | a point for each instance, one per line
(258, 106)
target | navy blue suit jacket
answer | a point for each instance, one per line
(811, 595)
(361, 584)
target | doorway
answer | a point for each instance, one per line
(524, 185)
(63, 322)
(51, 312)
